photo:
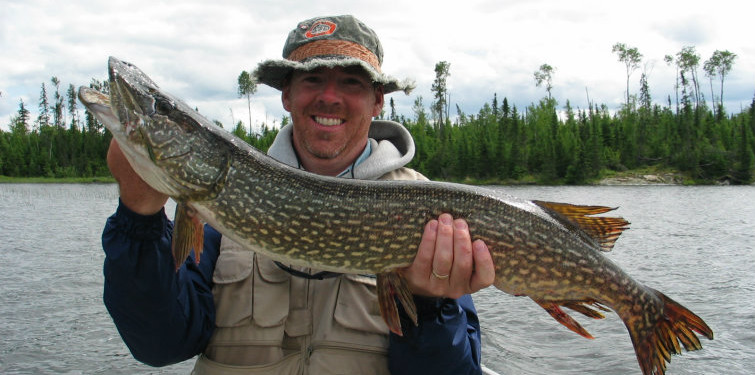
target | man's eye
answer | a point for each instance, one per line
(311, 79)
(353, 82)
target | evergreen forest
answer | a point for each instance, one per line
(544, 143)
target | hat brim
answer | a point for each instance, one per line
(274, 72)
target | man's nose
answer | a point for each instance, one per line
(330, 92)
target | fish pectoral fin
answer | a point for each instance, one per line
(555, 311)
(391, 286)
(188, 234)
(604, 230)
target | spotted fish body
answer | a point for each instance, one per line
(551, 252)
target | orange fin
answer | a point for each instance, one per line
(390, 287)
(564, 318)
(655, 345)
(587, 308)
(188, 233)
(604, 230)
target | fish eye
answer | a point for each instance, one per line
(163, 106)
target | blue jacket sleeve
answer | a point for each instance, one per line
(445, 341)
(163, 316)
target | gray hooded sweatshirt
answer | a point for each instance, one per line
(391, 147)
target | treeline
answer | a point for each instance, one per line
(543, 145)
(501, 144)
(546, 143)
(58, 143)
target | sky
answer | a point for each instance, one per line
(196, 49)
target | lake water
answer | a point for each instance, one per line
(695, 244)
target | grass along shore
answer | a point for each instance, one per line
(642, 176)
(57, 180)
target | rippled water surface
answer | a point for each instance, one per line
(696, 244)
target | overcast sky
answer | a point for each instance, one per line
(196, 49)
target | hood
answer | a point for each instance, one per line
(391, 143)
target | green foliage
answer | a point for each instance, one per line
(544, 75)
(52, 151)
(560, 145)
(440, 91)
(631, 57)
(543, 144)
(247, 87)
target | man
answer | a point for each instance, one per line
(245, 314)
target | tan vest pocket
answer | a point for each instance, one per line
(251, 303)
(233, 287)
(357, 307)
(248, 288)
(271, 293)
(287, 365)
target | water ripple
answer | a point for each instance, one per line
(696, 244)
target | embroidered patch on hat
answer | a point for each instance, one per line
(320, 28)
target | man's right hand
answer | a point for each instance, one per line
(135, 193)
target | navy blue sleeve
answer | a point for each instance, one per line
(163, 316)
(445, 341)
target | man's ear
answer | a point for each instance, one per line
(379, 100)
(285, 99)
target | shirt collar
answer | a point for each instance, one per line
(349, 172)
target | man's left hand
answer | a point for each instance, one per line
(448, 264)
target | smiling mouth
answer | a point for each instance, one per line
(327, 121)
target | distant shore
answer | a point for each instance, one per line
(56, 180)
(644, 179)
(626, 178)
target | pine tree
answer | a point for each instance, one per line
(743, 172)
(57, 107)
(72, 107)
(43, 119)
(440, 92)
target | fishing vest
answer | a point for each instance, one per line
(270, 322)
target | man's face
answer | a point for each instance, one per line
(331, 109)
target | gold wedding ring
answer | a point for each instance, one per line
(440, 277)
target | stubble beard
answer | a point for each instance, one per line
(323, 153)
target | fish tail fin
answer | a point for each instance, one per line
(654, 345)
(188, 234)
(584, 307)
(391, 286)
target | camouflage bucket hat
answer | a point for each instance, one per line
(330, 42)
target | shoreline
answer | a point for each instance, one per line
(56, 180)
(646, 180)
(633, 178)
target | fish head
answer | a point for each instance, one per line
(171, 146)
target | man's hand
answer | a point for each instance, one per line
(135, 193)
(448, 263)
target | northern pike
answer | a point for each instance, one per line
(551, 252)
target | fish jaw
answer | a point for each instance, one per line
(129, 139)
(164, 140)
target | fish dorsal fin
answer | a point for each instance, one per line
(604, 230)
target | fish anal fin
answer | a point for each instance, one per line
(654, 344)
(188, 234)
(555, 311)
(587, 308)
(604, 230)
(392, 286)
